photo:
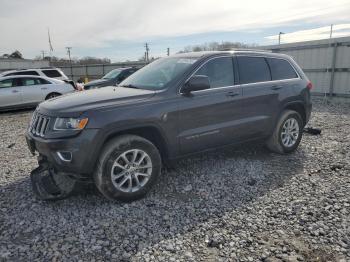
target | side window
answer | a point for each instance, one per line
(253, 69)
(281, 69)
(42, 81)
(30, 81)
(32, 73)
(52, 73)
(6, 83)
(219, 71)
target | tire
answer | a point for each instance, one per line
(278, 142)
(109, 175)
(52, 95)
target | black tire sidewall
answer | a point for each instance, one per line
(52, 95)
(297, 117)
(108, 189)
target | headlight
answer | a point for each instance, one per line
(70, 123)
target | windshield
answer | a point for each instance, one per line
(159, 73)
(114, 73)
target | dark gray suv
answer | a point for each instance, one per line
(119, 137)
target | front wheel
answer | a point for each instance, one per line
(127, 168)
(287, 133)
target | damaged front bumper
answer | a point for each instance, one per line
(56, 177)
(51, 185)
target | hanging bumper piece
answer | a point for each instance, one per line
(50, 185)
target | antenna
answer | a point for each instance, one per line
(50, 43)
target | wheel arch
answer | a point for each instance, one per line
(298, 107)
(149, 132)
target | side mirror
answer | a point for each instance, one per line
(196, 83)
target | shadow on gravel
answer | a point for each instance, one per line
(202, 187)
(16, 111)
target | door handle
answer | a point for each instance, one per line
(276, 87)
(232, 94)
(43, 88)
(15, 91)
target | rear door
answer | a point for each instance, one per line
(32, 90)
(260, 95)
(210, 118)
(9, 93)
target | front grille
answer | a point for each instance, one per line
(39, 124)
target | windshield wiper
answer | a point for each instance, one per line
(131, 86)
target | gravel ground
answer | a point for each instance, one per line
(242, 204)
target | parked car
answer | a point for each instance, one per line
(171, 108)
(112, 78)
(27, 91)
(45, 72)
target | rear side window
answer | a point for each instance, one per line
(219, 71)
(253, 69)
(31, 73)
(43, 81)
(52, 73)
(281, 69)
(6, 83)
(30, 81)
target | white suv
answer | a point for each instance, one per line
(46, 72)
(28, 90)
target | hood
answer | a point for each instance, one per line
(75, 103)
(98, 82)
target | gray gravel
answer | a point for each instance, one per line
(242, 204)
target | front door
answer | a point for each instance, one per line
(210, 118)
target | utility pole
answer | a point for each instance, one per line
(279, 37)
(68, 52)
(147, 52)
(168, 51)
(330, 34)
(43, 54)
(70, 60)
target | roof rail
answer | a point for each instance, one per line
(246, 49)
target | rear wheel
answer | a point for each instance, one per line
(287, 134)
(127, 168)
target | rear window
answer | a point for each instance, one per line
(22, 73)
(52, 73)
(253, 69)
(281, 69)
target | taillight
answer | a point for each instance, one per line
(309, 86)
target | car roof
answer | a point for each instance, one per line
(30, 76)
(28, 69)
(122, 68)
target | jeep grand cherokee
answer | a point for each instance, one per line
(119, 137)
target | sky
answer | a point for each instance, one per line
(118, 29)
